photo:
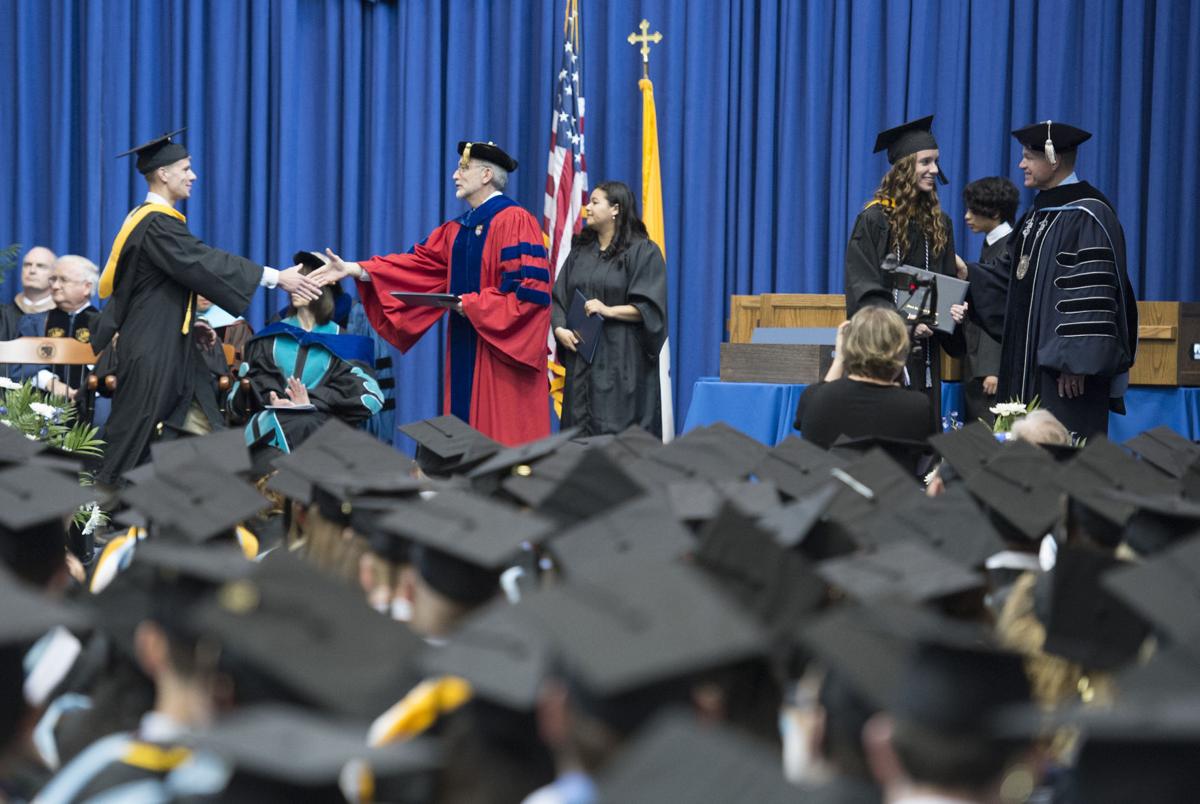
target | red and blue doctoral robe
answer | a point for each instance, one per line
(494, 259)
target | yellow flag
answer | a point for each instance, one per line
(652, 216)
(652, 198)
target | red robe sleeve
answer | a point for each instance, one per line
(511, 311)
(424, 269)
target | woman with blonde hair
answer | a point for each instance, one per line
(861, 393)
(905, 220)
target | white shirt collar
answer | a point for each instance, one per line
(1000, 231)
(85, 305)
(1072, 179)
(154, 198)
(159, 728)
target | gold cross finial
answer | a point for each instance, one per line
(645, 39)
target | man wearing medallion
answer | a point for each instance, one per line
(1060, 297)
(72, 283)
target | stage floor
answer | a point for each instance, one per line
(766, 411)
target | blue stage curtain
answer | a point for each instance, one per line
(333, 122)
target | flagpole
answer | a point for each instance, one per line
(652, 208)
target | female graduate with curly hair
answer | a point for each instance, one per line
(905, 220)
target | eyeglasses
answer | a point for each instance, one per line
(65, 281)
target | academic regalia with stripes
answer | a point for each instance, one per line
(333, 366)
(1061, 296)
(494, 259)
(154, 274)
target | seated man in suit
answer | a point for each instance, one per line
(72, 283)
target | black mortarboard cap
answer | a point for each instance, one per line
(870, 644)
(594, 484)
(314, 637)
(291, 485)
(1165, 449)
(535, 486)
(225, 448)
(775, 584)
(1162, 590)
(447, 444)
(488, 152)
(632, 442)
(15, 448)
(906, 570)
(793, 522)
(313, 259)
(678, 759)
(966, 449)
(478, 530)
(501, 654)
(298, 750)
(906, 139)
(1158, 520)
(196, 501)
(28, 614)
(1102, 467)
(643, 530)
(1018, 485)
(906, 452)
(873, 483)
(950, 524)
(960, 690)
(797, 467)
(715, 452)
(33, 495)
(158, 152)
(1063, 137)
(519, 460)
(700, 500)
(640, 625)
(1084, 622)
(343, 460)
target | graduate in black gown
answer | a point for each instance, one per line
(1060, 296)
(154, 273)
(905, 220)
(622, 276)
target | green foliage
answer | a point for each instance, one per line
(8, 258)
(52, 420)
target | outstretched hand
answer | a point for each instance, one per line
(294, 282)
(335, 270)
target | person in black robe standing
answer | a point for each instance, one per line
(623, 277)
(905, 220)
(1060, 295)
(991, 209)
(154, 273)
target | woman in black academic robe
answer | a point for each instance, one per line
(301, 371)
(905, 220)
(621, 276)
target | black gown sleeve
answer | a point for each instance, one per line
(647, 292)
(228, 280)
(864, 254)
(988, 294)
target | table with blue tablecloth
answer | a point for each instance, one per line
(766, 411)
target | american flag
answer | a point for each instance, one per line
(566, 175)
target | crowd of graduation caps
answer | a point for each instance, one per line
(707, 620)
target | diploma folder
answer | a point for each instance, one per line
(950, 290)
(427, 299)
(586, 327)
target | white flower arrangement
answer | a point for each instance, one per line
(1007, 413)
(9, 385)
(44, 410)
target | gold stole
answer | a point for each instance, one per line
(109, 277)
